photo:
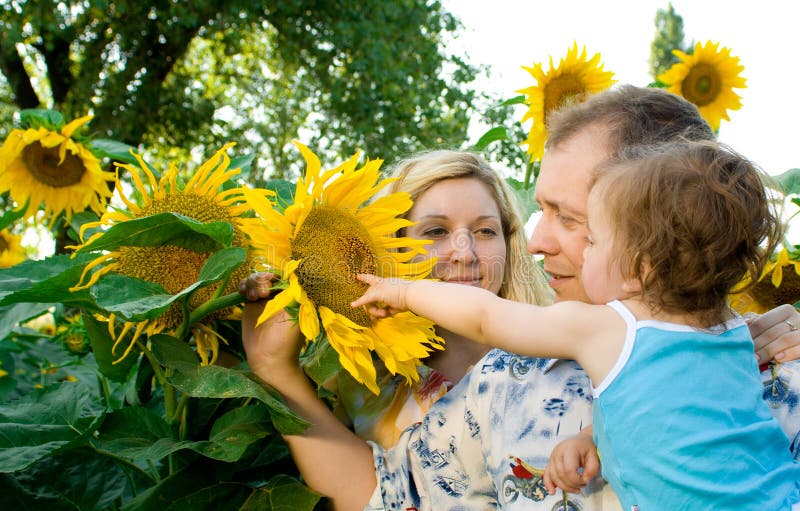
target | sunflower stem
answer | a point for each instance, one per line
(179, 409)
(215, 304)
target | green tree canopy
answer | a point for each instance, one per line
(669, 36)
(184, 76)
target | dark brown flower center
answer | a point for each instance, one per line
(702, 85)
(561, 91)
(334, 246)
(43, 164)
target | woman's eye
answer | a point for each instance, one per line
(487, 231)
(434, 231)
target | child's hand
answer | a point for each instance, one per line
(385, 297)
(257, 286)
(573, 463)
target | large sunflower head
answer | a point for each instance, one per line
(11, 251)
(51, 169)
(778, 284)
(570, 82)
(173, 267)
(707, 78)
(321, 241)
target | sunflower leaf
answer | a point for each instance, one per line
(789, 181)
(220, 382)
(282, 493)
(492, 135)
(107, 148)
(284, 193)
(12, 215)
(102, 344)
(42, 118)
(45, 422)
(138, 300)
(45, 281)
(164, 229)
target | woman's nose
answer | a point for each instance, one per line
(462, 245)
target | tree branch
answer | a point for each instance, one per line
(14, 71)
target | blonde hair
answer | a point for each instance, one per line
(523, 279)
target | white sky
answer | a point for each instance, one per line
(508, 34)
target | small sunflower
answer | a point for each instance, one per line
(174, 267)
(11, 251)
(781, 287)
(707, 79)
(52, 170)
(321, 241)
(573, 79)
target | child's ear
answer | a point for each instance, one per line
(633, 284)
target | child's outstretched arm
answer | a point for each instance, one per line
(563, 330)
(573, 463)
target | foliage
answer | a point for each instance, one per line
(80, 427)
(197, 74)
(669, 36)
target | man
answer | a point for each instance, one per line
(486, 443)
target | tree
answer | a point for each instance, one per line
(669, 36)
(185, 77)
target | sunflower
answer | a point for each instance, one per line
(52, 170)
(707, 79)
(781, 286)
(11, 251)
(173, 267)
(321, 241)
(573, 79)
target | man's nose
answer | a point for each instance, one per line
(542, 240)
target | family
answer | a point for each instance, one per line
(638, 389)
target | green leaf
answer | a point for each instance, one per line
(42, 118)
(525, 198)
(220, 382)
(45, 281)
(137, 433)
(789, 181)
(492, 135)
(78, 479)
(169, 350)
(45, 422)
(244, 163)
(133, 299)
(102, 343)
(164, 229)
(138, 300)
(320, 361)
(284, 192)
(235, 431)
(11, 315)
(12, 215)
(107, 148)
(282, 493)
(198, 487)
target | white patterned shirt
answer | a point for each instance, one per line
(485, 444)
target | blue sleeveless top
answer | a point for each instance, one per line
(680, 423)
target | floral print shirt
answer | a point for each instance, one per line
(485, 444)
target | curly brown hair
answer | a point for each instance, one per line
(692, 219)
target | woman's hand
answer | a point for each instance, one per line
(273, 347)
(776, 334)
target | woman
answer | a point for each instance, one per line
(467, 211)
